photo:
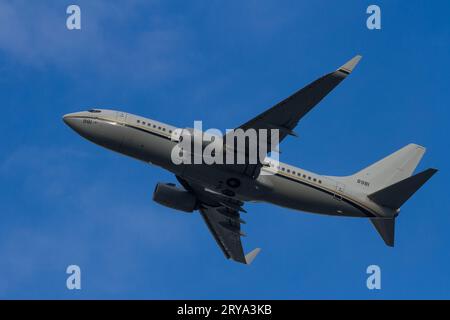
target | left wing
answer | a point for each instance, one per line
(222, 217)
(285, 115)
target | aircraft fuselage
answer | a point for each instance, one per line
(279, 183)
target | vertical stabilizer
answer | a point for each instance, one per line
(389, 170)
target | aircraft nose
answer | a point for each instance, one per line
(66, 119)
(75, 122)
(70, 120)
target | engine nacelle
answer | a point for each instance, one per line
(173, 197)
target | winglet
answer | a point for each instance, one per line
(249, 257)
(348, 67)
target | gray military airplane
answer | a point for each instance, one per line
(219, 191)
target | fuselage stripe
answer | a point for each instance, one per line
(126, 125)
(147, 131)
(347, 200)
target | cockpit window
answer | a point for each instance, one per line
(94, 111)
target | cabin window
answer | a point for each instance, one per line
(159, 128)
(314, 179)
(143, 122)
(154, 126)
(309, 178)
(293, 172)
(304, 176)
(320, 181)
(288, 170)
(139, 121)
(164, 129)
(282, 169)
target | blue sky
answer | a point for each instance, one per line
(66, 201)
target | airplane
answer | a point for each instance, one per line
(219, 191)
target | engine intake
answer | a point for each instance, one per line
(174, 197)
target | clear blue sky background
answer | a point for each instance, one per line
(66, 201)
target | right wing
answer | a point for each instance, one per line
(222, 217)
(225, 226)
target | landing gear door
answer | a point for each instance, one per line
(121, 117)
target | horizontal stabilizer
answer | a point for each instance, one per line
(386, 229)
(249, 257)
(395, 195)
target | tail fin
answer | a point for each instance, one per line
(394, 196)
(389, 183)
(398, 193)
(391, 169)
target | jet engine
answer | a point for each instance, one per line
(174, 197)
